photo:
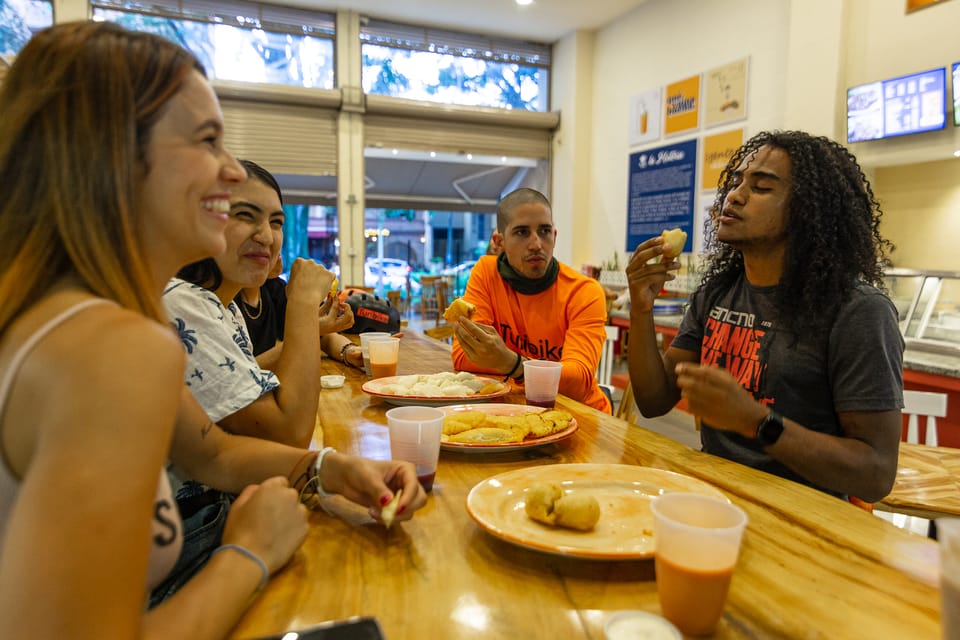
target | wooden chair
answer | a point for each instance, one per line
(605, 370)
(428, 297)
(930, 406)
(396, 301)
(916, 405)
(442, 298)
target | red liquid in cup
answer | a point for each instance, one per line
(692, 600)
(427, 480)
(542, 403)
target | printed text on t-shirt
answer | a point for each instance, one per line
(730, 341)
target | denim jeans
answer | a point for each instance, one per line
(202, 533)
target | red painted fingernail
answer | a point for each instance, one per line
(384, 500)
(402, 509)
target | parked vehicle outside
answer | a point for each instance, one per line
(393, 273)
(460, 274)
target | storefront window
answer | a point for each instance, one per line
(419, 63)
(19, 20)
(241, 41)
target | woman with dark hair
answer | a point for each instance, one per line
(272, 395)
(789, 352)
(113, 174)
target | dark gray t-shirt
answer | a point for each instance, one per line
(857, 367)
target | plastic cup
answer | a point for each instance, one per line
(415, 437)
(630, 625)
(365, 339)
(541, 380)
(697, 541)
(384, 353)
(948, 537)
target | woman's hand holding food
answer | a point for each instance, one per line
(269, 521)
(373, 483)
(335, 316)
(309, 283)
(646, 275)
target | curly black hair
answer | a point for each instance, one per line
(832, 230)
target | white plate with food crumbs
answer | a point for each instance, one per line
(624, 492)
(500, 428)
(436, 388)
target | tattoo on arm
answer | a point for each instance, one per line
(206, 429)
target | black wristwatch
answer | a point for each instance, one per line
(770, 428)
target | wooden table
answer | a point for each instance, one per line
(928, 482)
(811, 566)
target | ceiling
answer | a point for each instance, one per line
(448, 184)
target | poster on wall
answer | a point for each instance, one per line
(681, 106)
(661, 191)
(913, 5)
(717, 151)
(725, 93)
(645, 117)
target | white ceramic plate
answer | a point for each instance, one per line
(505, 410)
(374, 388)
(625, 528)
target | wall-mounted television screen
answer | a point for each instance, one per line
(956, 93)
(897, 107)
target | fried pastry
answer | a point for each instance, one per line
(486, 435)
(539, 502)
(389, 512)
(577, 511)
(459, 308)
(547, 503)
(676, 238)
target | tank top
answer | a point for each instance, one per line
(166, 535)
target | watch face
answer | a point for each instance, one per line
(770, 429)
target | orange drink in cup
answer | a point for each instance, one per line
(384, 354)
(697, 541)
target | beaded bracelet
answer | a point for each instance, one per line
(250, 554)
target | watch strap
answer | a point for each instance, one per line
(770, 428)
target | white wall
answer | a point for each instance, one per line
(661, 42)
(882, 41)
(803, 54)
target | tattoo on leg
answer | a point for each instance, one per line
(206, 429)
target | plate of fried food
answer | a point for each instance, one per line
(503, 427)
(435, 389)
(592, 511)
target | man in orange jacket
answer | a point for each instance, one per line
(529, 306)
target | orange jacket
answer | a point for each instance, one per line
(564, 324)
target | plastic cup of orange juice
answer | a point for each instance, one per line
(696, 541)
(384, 354)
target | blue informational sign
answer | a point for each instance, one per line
(661, 193)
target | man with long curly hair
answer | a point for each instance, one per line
(790, 352)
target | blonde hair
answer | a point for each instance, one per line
(76, 111)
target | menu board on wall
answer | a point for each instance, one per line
(717, 151)
(725, 93)
(681, 106)
(661, 191)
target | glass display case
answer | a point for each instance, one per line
(928, 306)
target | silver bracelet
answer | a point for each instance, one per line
(250, 554)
